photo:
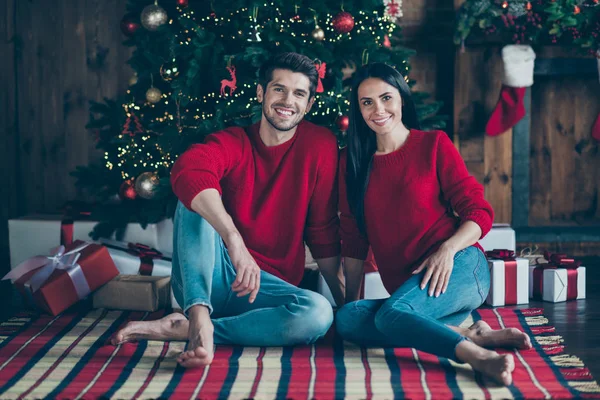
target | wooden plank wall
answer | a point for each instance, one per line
(477, 83)
(70, 52)
(565, 160)
(8, 128)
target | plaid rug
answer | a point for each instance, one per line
(69, 357)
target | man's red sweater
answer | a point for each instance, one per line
(279, 196)
(407, 205)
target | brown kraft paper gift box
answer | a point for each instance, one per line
(134, 292)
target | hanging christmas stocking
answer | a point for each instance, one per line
(518, 76)
(596, 127)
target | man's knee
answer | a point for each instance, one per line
(313, 318)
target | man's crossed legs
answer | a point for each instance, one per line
(202, 279)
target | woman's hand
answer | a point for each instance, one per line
(439, 267)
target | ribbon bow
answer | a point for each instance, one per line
(501, 254)
(556, 261)
(46, 265)
(146, 255)
(143, 251)
(321, 67)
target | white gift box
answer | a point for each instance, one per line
(374, 288)
(130, 264)
(35, 234)
(502, 236)
(555, 282)
(498, 289)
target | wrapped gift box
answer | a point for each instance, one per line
(502, 236)
(134, 292)
(509, 282)
(555, 284)
(56, 282)
(138, 259)
(559, 279)
(35, 234)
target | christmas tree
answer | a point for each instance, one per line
(196, 69)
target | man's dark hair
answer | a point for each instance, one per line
(293, 62)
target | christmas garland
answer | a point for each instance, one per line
(536, 22)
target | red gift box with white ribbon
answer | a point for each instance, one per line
(68, 274)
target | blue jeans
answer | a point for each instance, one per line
(281, 315)
(411, 318)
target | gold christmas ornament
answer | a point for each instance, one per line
(318, 34)
(133, 80)
(153, 95)
(146, 185)
(153, 17)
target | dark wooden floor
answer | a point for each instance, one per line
(577, 321)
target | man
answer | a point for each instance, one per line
(249, 199)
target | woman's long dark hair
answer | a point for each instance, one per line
(362, 142)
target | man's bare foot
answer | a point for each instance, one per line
(483, 335)
(171, 327)
(498, 367)
(200, 338)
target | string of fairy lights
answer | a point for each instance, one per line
(140, 152)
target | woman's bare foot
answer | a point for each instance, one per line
(171, 327)
(498, 367)
(200, 338)
(481, 333)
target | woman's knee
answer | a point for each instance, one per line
(345, 321)
(351, 318)
(470, 273)
(389, 313)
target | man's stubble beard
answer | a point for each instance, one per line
(278, 127)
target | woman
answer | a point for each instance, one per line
(397, 185)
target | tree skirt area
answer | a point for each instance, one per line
(69, 356)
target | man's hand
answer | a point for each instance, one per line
(247, 280)
(439, 267)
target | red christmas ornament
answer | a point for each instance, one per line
(343, 22)
(343, 122)
(127, 190)
(130, 24)
(182, 3)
